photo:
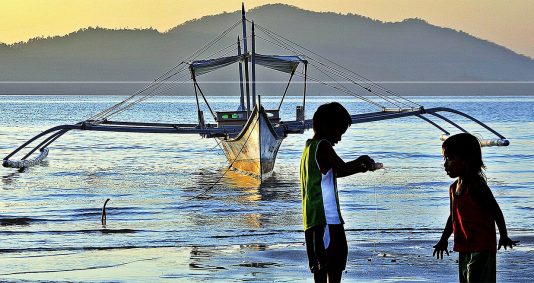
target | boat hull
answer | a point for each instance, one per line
(253, 151)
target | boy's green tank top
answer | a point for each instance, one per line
(313, 213)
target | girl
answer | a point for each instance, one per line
(473, 212)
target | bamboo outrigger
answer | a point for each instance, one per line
(250, 136)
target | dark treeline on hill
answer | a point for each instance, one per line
(407, 51)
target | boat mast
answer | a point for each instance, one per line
(242, 98)
(245, 51)
(304, 93)
(253, 66)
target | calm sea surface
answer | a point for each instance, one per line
(242, 231)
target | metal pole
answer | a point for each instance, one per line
(205, 101)
(253, 65)
(285, 92)
(242, 97)
(245, 51)
(199, 112)
(304, 95)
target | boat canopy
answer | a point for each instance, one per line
(282, 63)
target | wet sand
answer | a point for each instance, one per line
(406, 260)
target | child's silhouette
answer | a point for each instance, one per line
(326, 244)
(473, 212)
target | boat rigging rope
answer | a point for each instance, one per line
(340, 88)
(159, 80)
(391, 100)
(335, 71)
(151, 94)
(376, 220)
(213, 41)
(279, 39)
(200, 195)
(156, 90)
(218, 145)
(111, 110)
(225, 48)
(343, 89)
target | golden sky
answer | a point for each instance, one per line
(505, 22)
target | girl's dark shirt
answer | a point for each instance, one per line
(472, 223)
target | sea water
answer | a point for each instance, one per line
(241, 230)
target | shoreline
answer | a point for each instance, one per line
(394, 260)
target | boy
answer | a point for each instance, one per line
(326, 244)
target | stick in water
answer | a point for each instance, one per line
(104, 214)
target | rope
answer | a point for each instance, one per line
(104, 114)
(111, 111)
(227, 47)
(358, 84)
(213, 41)
(275, 35)
(200, 195)
(343, 90)
(346, 90)
(159, 80)
(152, 93)
(376, 220)
(218, 144)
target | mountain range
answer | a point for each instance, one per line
(411, 56)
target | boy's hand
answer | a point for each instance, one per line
(439, 248)
(506, 242)
(366, 162)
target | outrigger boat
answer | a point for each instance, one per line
(251, 135)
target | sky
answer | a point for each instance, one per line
(506, 22)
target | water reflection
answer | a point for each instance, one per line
(200, 256)
(11, 177)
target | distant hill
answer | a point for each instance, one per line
(411, 50)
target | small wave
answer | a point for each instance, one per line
(47, 255)
(244, 235)
(91, 212)
(396, 230)
(117, 231)
(123, 147)
(16, 221)
(79, 269)
(66, 232)
(66, 174)
(82, 248)
(259, 264)
(199, 266)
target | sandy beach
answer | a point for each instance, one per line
(404, 260)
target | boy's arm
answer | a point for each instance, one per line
(442, 245)
(328, 158)
(488, 200)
